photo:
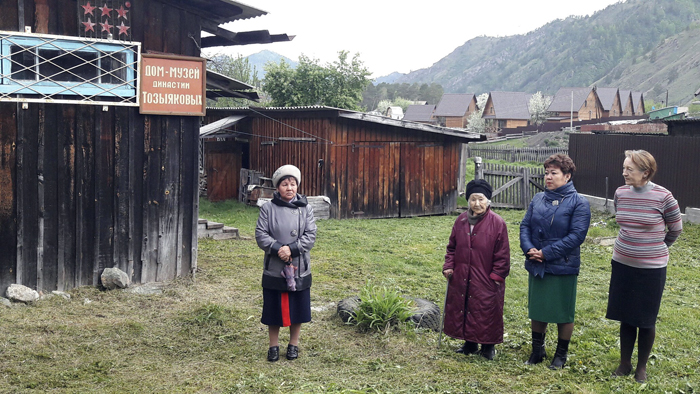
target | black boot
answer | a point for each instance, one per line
(560, 355)
(538, 352)
(468, 348)
(273, 353)
(488, 351)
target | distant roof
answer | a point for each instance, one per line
(419, 113)
(219, 85)
(453, 104)
(562, 99)
(511, 105)
(607, 97)
(624, 98)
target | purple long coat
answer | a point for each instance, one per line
(474, 308)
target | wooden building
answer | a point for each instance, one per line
(638, 100)
(610, 101)
(420, 113)
(507, 110)
(454, 109)
(585, 104)
(369, 166)
(627, 104)
(91, 176)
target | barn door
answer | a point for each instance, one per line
(422, 173)
(223, 168)
(374, 174)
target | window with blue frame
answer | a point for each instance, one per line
(67, 68)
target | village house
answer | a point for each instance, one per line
(100, 109)
(368, 166)
(420, 114)
(454, 109)
(584, 105)
(610, 101)
(505, 110)
(638, 100)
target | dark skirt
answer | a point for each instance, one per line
(635, 294)
(552, 299)
(281, 308)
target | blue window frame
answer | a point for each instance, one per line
(55, 65)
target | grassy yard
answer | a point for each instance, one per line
(204, 336)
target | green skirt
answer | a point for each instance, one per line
(552, 299)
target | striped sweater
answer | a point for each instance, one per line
(643, 214)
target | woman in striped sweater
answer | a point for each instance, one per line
(650, 221)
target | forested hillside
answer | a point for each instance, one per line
(578, 51)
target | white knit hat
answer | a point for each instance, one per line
(285, 170)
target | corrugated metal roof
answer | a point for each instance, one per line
(221, 124)
(419, 113)
(562, 99)
(453, 104)
(607, 97)
(510, 105)
(222, 11)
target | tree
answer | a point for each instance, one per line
(538, 108)
(475, 123)
(237, 68)
(339, 84)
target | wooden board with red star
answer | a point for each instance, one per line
(100, 18)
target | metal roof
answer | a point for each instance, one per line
(419, 113)
(562, 99)
(219, 125)
(607, 97)
(220, 85)
(625, 97)
(220, 11)
(510, 105)
(453, 104)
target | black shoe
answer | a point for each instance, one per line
(560, 355)
(273, 353)
(292, 352)
(488, 351)
(538, 352)
(468, 348)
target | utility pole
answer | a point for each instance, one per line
(571, 120)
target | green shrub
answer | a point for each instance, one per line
(381, 309)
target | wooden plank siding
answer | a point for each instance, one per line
(368, 170)
(82, 189)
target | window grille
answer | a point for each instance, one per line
(42, 68)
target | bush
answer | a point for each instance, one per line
(381, 308)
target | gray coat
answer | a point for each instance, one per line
(286, 223)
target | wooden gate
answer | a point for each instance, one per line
(513, 186)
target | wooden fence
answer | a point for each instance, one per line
(513, 186)
(512, 154)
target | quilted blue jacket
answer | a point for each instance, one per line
(557, 223)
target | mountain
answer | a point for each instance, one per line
(391, 78)
(259, 59)
(609, 48)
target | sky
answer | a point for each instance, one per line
(395, 36)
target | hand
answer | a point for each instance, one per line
(534, 254)
(285, 254)
(447, 273)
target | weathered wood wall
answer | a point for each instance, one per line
(83, 189)
(368, 170)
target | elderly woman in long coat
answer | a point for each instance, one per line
(477, 263)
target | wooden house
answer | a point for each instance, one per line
(100, 109)
(454, 109)
(506, 110)
(420, 114)
(627, 104)
(638, 100)
(576, 103)
(369, 166)
(610, 100)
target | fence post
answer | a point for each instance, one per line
(478, 168)
(526, 188)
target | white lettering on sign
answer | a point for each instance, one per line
(155, 71)
(172, 99)
(184, 73)
(171, 85)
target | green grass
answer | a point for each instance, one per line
(205, 336)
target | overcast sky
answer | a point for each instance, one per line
(396, 36)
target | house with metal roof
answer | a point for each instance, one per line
(506, 110)
(610, 100)
(454, 109)
(575, 103)
(626, 102)
(638, 100)
(420, 114)
(369, 166)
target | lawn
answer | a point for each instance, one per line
(204, 335)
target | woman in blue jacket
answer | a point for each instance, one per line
(551, 233)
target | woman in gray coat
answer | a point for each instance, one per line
(286, 231)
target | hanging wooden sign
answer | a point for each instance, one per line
(172, 85)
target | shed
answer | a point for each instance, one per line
(369, 166)
(93, 172)
(454, 109)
